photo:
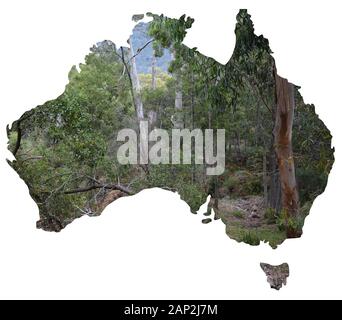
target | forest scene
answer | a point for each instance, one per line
(278, 152)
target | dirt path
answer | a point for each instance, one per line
(245, 221)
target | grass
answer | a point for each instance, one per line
(253, 237)
(238, 214)
(270, 216)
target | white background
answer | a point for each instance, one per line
(150, 245)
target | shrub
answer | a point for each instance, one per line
(192, 195)
(243, 183)
(284, 222)
(271, 216)
(311, 183)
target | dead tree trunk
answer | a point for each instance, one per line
(139, 107)
(285, 105)
(136, 84)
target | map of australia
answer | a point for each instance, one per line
(160, 114)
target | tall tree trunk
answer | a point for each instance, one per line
(152, 114)
(178, 121)
(152, 118)
(238, 145)
(274, 195)
(265, 178)
(136, 84)
(258, 126)
(285, 104)
(143, 131)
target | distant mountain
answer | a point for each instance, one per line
(144, 58)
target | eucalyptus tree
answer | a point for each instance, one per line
(169, 33)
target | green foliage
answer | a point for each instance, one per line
(305, 209)
(12, 139)
(231, 183)
(68, 139)
(311, 182)
(254, 236)
(69, 143)
(162, 79)
(242, 183)
(169, 31)
(287, 222)
(271, 216)
(163, 176)
(192, 195)
(251, 238)
(312, 147)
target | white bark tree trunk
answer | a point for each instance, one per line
(152, 115)
(136, 84)
(139, 107)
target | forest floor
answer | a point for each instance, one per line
(245, 221)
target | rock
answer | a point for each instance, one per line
(208, 213)
(205, 221)
(254, 215)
